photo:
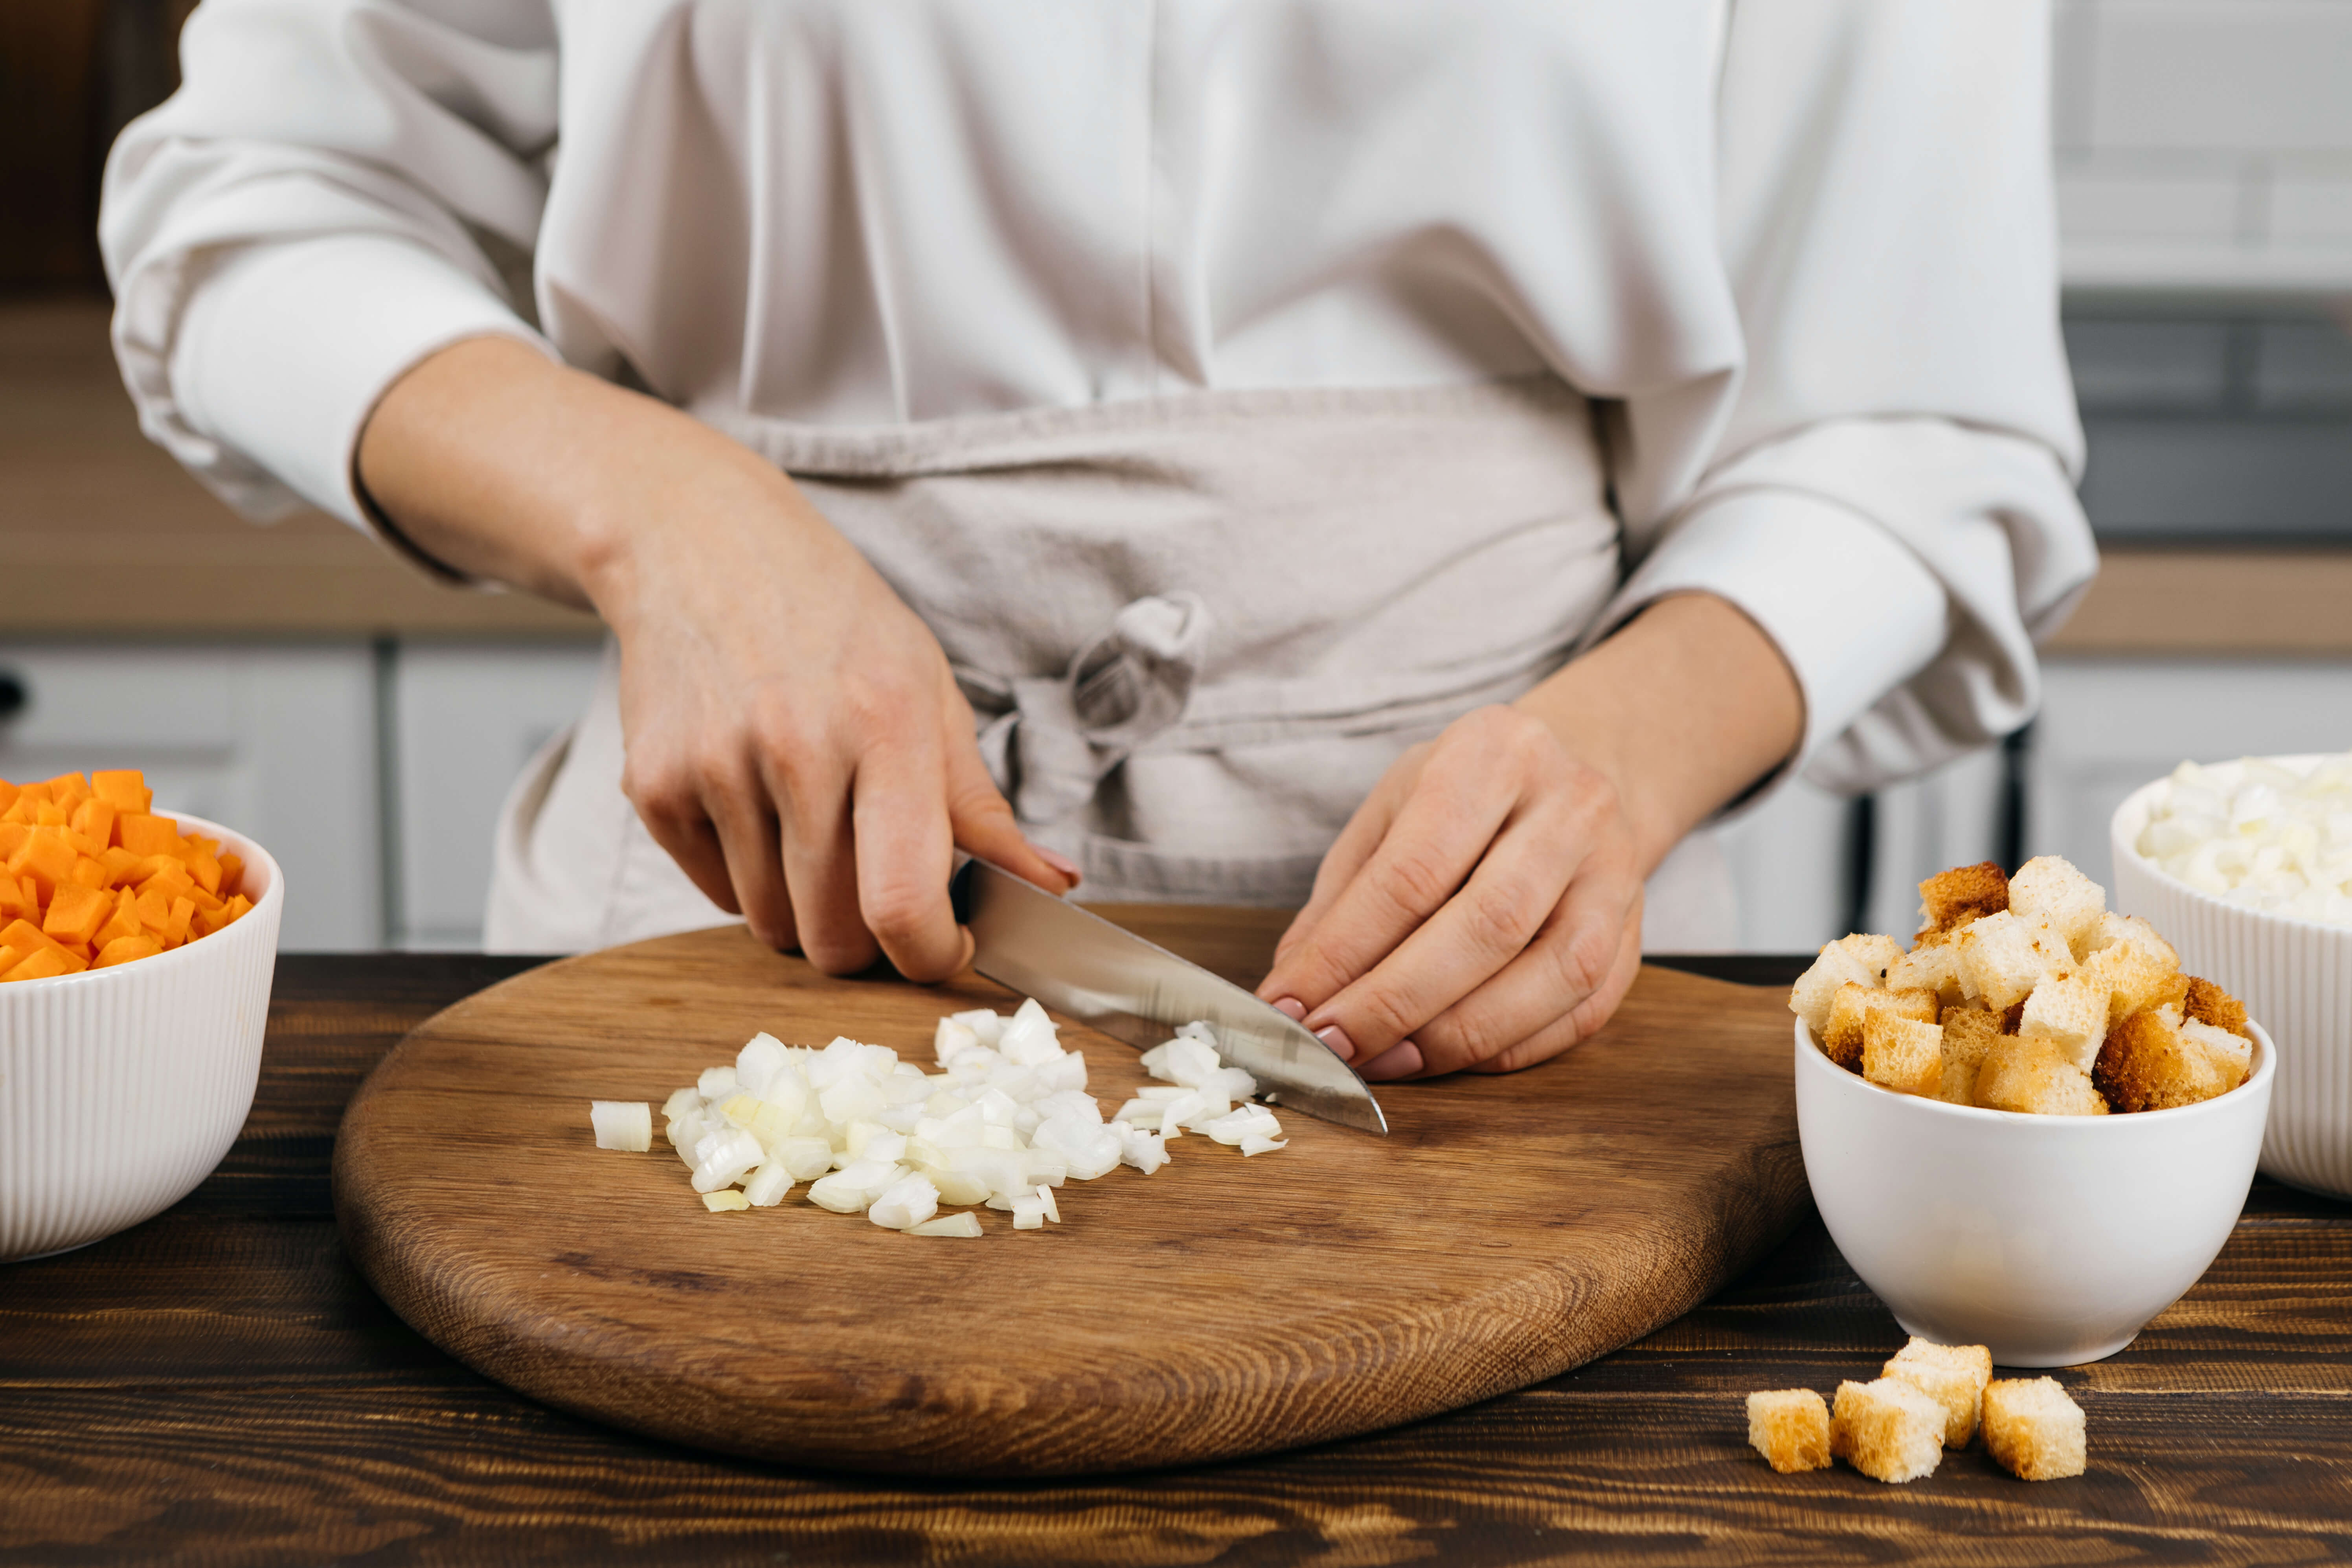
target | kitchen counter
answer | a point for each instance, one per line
(105, 537)
(219, 1386)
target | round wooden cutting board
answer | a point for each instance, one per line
(1509, 1228)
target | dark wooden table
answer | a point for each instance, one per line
(219, 1386)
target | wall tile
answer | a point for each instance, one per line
(2125, 364)
(2245, 75)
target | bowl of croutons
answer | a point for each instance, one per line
(137, 947)
(2248, 867)
(2031, 1130)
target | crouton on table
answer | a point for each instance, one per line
(2032, 1430)
(1887, 1429)
(1790, 1428)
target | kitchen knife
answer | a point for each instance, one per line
(1083, 967)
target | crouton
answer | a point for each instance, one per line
(1968, 1034)
(2115, 928)
(2136, 979)
(2049, 891)
(2070, 1011)
(1902, 1053)
(2209, 1003)
(2233, 1055)
(2034, 1077)
(1953, 1375)
(1936, 969)
(1842, 1040)
(1851, 960)
(2032, 1430)
(2145, 1065)
(2004, 957)
(1887, 1429)
(1790, 1428)
(1962, 893)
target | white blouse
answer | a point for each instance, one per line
(1802, 251)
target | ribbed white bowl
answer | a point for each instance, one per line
(121, 1089)
(2051, 1239)
(2296, 976)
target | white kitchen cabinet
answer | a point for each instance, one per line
(2109, 726)
(464, 719)
(276, 742)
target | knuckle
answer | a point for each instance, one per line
(1500, 917)
(839, 954)
(1417, 881)
(1583, 961)
(898, 907)
(1386, 1013)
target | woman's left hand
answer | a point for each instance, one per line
(1481, 911)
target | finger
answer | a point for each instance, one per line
(983, 825)
(1585, 1019)
(1475, 935)
(670, 803)
(1575, 958)
(820, 860)
(905, 852)
(1340, 864)
(1438, 836)
(745, 822)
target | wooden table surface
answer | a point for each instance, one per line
(218, 1386)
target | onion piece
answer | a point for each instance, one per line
(767, 1185)
(1029, 1213)
(1052, 1209)
(725, 1200)
(910, 1200)
(1263, 1146)
(966, 1224)
(626, 1124)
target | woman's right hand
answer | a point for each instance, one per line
(795, 739)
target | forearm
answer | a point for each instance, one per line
(504, 466)
(1684, 707)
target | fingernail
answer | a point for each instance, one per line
(1337, 1039)
(1402, 1060)
(1291, 1007)
(1060, 862)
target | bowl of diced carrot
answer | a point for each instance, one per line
(137, 947)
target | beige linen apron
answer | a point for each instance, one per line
(1195, 630)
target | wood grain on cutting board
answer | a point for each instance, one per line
(1509, 1228)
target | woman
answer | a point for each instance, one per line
(1422, 459)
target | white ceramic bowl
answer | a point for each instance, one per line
(2293, 974)
(2051, 1239)
(121, 1089)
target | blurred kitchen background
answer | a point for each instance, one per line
(365, 724)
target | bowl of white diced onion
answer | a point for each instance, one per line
(2246, 866)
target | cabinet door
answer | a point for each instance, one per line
(2108, 726)
(465, 719)
(278, 742)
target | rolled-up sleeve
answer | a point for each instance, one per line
(325, 201)
(1890, 499)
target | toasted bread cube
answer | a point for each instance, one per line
(1842, 1040)
(2003, 957)
(1931, 968)
(2035, 1077)
(2049, 891)
(2233, 1055)
(2145, 1065)
(1887, 1429)
(1969, 1035)
(2115, 928)
(2136, 979)
(1851, 960)
(1790, 1428)
(1954, 1375)
(2032, 1430)
(2070, 1011)
(1962, 893)
(1902, 1053)
(2209, 1003)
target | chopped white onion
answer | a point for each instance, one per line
(1052, 1209)
(622, 1124)
(966, 1224)
(1029, 1213)
(724, 1199)
(910, 1200)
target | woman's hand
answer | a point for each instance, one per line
(1482, 908)
(794, 737)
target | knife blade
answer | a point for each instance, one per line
(1109, 978)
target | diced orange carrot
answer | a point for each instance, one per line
(46, 965)
(40, 791)
(69, 790)
(22, 809)
(239, 905)
(143, 834)
(154, 907)
(232, 873)
(124, 949)
(25, 936)
(125, 789)
(47, 858)
(15, 900)
(177, 931)
(123, 921)
(8, 793)
(76, 913)
(119, 864)
(89, 873)
(94, 820)
(48, 815)
(12, 835)
(205, 870)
